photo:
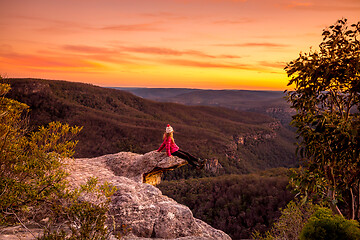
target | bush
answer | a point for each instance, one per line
(30, 162)
(324, 225)
(81, 213)
(290, 223)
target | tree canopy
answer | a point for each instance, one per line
(326, 98)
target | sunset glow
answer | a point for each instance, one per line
(211, 44)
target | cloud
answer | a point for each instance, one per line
(188, 1)
(347, 5)
(30, 60)
(152, 50)
(47, 62)
(52, 26)
(133, 27)
(116, 59)
(228, 56)
(254, 44)
(103, 54)
(172, 52)
(165, 15)
(58, 30)
(261, 66)
(280, 65)
(88, 49)
(44, 20)
(234, 22)
(49, 25)
(295, 4)
(202, 64)
(126, 55)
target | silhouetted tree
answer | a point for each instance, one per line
(326, 98)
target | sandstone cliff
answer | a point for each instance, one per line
(141, 206)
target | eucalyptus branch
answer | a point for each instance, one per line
(350, 100)
(333, 95)
(4, 189)
(22, 224)
(4, 141)
(357, 216)
(352, 204)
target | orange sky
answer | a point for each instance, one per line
(213, 44)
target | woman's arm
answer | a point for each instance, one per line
(161, 147)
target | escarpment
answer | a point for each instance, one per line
(140, 206)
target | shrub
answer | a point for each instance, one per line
(30, 163)
(81, 213)
(324, 225)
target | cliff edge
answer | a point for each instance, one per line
(139, 205)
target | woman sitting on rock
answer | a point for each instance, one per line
(173, 150)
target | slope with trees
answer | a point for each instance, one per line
(236, 204)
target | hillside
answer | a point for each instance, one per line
(117, 121)
(235, 204)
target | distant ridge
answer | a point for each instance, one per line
(271, 103)
(157, 94)
(174, 93)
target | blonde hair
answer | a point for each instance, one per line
(169, 135)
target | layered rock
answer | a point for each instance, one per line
(139, 206)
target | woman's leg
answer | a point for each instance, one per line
(197, 161)
(188, 157)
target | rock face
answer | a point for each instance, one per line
(214, 166)
(139, 206)
(146, 168)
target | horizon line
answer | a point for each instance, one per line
(139, 87)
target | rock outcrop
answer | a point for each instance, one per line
(147, 168)
(214, 166)
(256, 137)
(139, 206)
